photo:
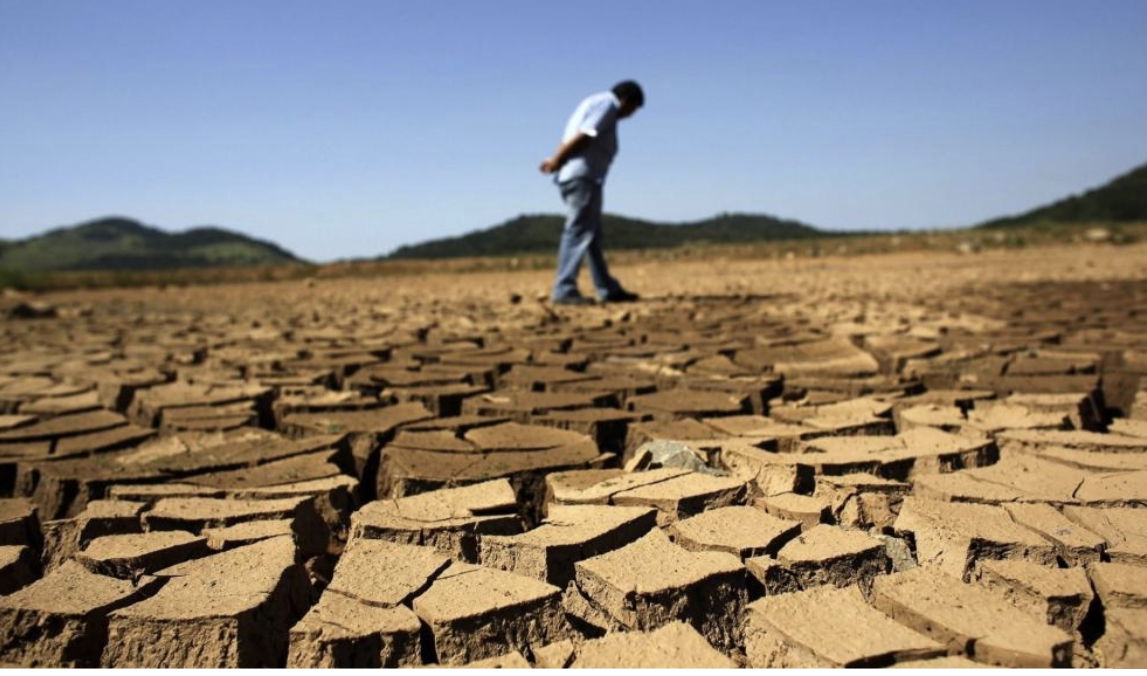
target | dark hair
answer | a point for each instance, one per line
(629, 90)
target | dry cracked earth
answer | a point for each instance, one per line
(900, 460)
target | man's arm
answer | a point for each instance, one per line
(565, 150)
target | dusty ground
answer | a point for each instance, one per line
(910, 460)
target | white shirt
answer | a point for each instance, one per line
(596, 117)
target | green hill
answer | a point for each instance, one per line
(1123, 199)
(117, 243)
(540, 233)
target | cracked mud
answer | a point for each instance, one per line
(901, 460)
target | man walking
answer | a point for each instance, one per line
(580, 164)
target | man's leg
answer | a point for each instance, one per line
(598, 269)
(577, 234)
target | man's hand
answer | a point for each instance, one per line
(550, 165)
(563, 153)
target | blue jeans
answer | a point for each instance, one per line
(582, 237)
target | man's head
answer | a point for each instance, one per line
(630, 95)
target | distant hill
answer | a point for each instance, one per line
(117, 243)
(541, 232)
(1124, 198)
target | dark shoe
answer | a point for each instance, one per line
(572, 300)
(621, 296)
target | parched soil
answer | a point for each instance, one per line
(911, 460)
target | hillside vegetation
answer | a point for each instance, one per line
(1122, 200)
(123, 244)
(540, 233)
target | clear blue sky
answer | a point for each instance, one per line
(347, 128)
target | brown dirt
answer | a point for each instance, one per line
(916, 459)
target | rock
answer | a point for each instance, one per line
(385, 574)
(246, 458)
(198, 514)
(684, 429)
(1129, 428)
(1081, 409)
(18, 567)
(1119, 585)
(945, 418)
(1074, 543)
(64, 538)
(1092, 460)
(766, 433)
(570, 533)
(32, 310)
(675, 645)
(684, 495)
(673, 454)
(544, 378)
(1124, 640)
(676, 404)
(894, 351)
(62, 619)
(651, 582)
(232, 609)
(850, 417)
(450, 520)
(742, 531)
(442, 400)
(474, 613)
(1123, 529)
(179, 404)
(54, 430)
(1059, 596)
(675, 493)
(1123, 489)
(131, 555)
(806, 510)
(822, 555)
(828, 627)
(48, 407)
(1032, 441)
(991, 417)
(904, 457)
(12, 421)
(19, 523)
(319, 399)
(970, 620)
(366, 433)
(833, 357)
(62, 487)
(953, 536)
(898, 552)
(523, 406)
(250, 532)
(640, 460)
(418, 461)
(362, 619)
(768, 473)
(861, 500)
(116, 390)
(607, 427)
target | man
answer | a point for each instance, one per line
(580, 164)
